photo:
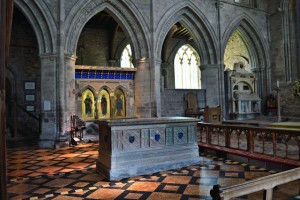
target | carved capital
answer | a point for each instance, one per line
(71, 57)
(219, 5)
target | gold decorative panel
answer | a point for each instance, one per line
(103, 105)
(87, 104)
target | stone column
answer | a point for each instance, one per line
(168, 76)
(262, 82)
(67, 100)
(142, 90)
(155, 89)
(211, 82)
(49, 126)
(57, 100)
(70, 83)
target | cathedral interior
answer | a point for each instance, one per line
(99, 98)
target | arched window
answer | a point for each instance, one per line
(186, 66)
(126, 57)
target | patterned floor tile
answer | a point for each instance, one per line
(104, 193)
(164, 196)
(21, 188)
(70, 174)
(177, 179)
(144, 186)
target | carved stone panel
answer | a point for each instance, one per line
(131, 139)
(180, 135)
(157, 137)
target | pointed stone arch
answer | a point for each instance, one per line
(107, 88)
(42, 22)
(197, 24)
(254, 39)
(258, 48)
(89, 87)
(83, 11)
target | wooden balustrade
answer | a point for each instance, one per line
(270, 144)
(266, 183)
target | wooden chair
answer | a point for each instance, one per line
(192, 108)
(77, 127)
(271, 105)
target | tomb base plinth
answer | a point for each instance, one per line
(131, 147)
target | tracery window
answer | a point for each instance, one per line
(126, 57)
(186, 66)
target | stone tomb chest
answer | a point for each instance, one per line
(130, 147)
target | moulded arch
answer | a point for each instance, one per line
(83, 11)
(105, 87)
(122, 88)
(42, 22)
(197, 24)
(253, 38)
(88, 87)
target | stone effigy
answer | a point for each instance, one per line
(130, 147)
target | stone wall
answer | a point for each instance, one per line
(290, 106)
(23, 65)
(61, 29)
(173, 101)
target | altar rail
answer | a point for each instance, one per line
(266, 183)
(268, 144)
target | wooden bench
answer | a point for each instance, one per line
(77, 127)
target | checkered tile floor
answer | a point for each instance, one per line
(70, 174)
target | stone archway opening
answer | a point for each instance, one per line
(99, 54)
(24, 94)
(243, 101)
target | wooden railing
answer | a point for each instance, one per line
(270, 144)
(266, 183)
